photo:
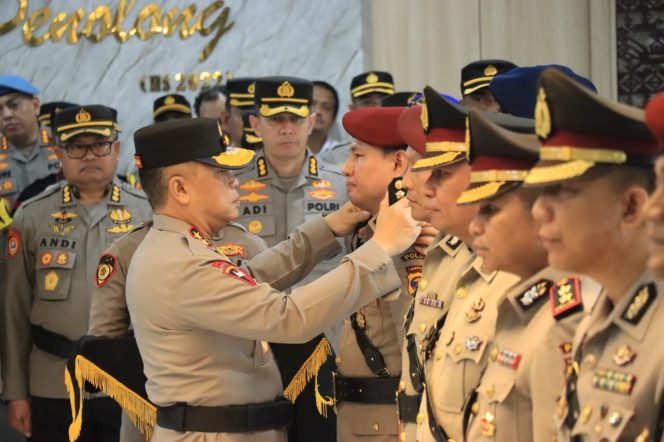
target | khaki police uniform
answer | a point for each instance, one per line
(50, 278)
(455, 360)
(199, 329)
(620, 380)
(445, 261)
(380, 321)
(530, 355)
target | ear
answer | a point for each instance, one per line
(178, 188)
(116, 147)
(400, 163)
(36, 104)
(60, 153)
(255, 123)
(634, 206)
(311, 120)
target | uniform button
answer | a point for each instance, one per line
(402, 385)
(585, 414)
(597, 429)
(490, 390)
(475, 408)
(615, 418)
(494, 354)
(590, 361)
(423, 327)
(439, 354)
(337, 360)
(457, 349)
(461, 292)
(402, 436)
(420, 418)
(422, 284)
(375, 426)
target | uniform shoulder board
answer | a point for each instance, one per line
(237, 226)
(330, 168)
(565, 297)
(50, 190)
(132, 190)
(453, 242)
(145, 225)
(641, 301)
(534, 294)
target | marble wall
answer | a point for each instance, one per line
(311, 39)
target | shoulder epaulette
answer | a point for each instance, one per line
(237, 226)
(641, 301)
(534, 294)
(566, 297)
(50, 190)
(131, 190)
(330, 168)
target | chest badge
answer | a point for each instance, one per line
(624, 355)
(121, 219)
(63, 219)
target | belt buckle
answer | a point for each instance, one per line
(334, 391)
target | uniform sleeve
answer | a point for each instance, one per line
(285, 264)
(109, 316)
(213, 297)
(16, 307)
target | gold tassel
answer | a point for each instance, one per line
(308, 370)
(141, 412)
(322, 402)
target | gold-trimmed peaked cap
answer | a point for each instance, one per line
(372, 82)
(47, 111)
(579, 129)
(478, 74)
(275, 95)
(89, 119)
(500, 159)
(250, 140)
(241, 92)
(171, 102)
(183, 140)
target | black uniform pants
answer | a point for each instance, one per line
(51, 419)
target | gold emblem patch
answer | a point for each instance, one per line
(51, 281)
(252, 88)
(46, 258)
(62, 259)
(286, 90)
(372, 78)
(120, 216)
(255, 226)
(83, 116)
(322, 194)
(424, 117)
(105, 269)
(490, 70)
(321, 183)
(542, 115)
(252, 185)
(254, 197)
(169, 100)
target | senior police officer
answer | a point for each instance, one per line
(240, 99)
(475, 80)
(52, 249)
(211, 314)
(171, 107)
(285, 187)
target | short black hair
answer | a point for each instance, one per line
(333, 91)
(211, 94)
(153, 186)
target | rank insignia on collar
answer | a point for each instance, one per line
(105, 269)
(195, 233)
(413, 276)
(613, 381)
(534, 294)
(4, 144)
(115, 193)
(66, 194)
(641, 300)
(322, 194)
(45, 137)
(261, 164)
(233, 250)
(313, 166)
(453, 242)
(508, 359)
(254, 197)
(565, 298)
(624, 355)
(234, 272)
(252, 185)
(360, 320)
(13, 243)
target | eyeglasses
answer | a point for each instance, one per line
(77, 151)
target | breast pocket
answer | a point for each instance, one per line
(54, 274)
(604, 422)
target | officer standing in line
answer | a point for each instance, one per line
(211, 103)
(171, 107)
(596, 174)
(513, 404)
(366, 90)
(46, 304)
(475, 80)
(285, 187)
(240, 99)
(234, 392)
(369, 361)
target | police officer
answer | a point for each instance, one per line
(475, 80)
(596, 172)
(285, 187)
(52, 249)
(171, 107)
(193, 187)
(240, 99)
(530, 353)
(369, 361)
(25, 152)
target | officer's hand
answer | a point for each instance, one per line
(396, 229)
(427, 235)
(18, 416)
(343, 221)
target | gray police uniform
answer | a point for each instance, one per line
(337, 154)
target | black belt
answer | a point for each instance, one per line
(365, 390)
(230, 419)
(51, 342)
(408, 406)
(371, 354)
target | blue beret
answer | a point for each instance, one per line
(14, 83)
(516, 90)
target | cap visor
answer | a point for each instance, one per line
(103, 131)
(546, 173)
(300, 111)
(479, 192)
(472, 90)
(233, 158)
(434, 160)
(172, 107)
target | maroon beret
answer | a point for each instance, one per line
(411, 130)
(377, 126)
(655, 117)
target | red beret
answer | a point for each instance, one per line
(411, 130)
(655, 117)
(377, 126)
